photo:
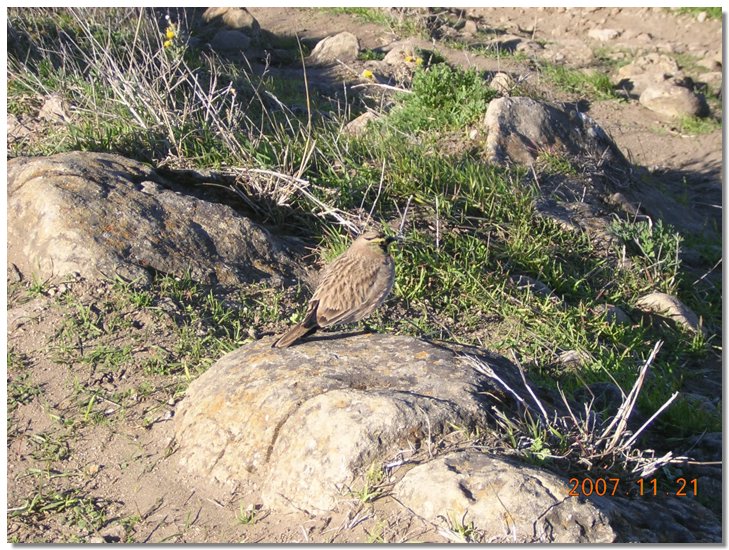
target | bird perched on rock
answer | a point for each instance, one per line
(350, 288)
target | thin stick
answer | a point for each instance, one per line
(627, 407)
(437, 225)
(379, 190)
(404, 215)
(486, 370)
(386, 86)
(627, 444)
(526, 385)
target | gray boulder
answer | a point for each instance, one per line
(519, 128)
(343, 46)
(100, 214)
(303, 423)
(238, 19)
(665, 305)
(645, 71)
(670, 99)
(504, 500)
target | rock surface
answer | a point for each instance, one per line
(646, 70)
(519, 128)
(343, 46)
(604, 35)
(234, 18)
(613, 314)
(502, 83)
(55, 109)
(302, 423)
(671, 519)
(506, 501)
(526, 283)
(358, 125)
(399, 51)
(670, 99)
(103, 215)
(713, 80)
(671, 307)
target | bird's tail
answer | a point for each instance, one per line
(294, 333)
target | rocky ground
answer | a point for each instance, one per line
(100, 442)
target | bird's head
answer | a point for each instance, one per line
(376, 238)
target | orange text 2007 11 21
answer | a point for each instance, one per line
(613, 486)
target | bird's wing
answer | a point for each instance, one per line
(344, 299)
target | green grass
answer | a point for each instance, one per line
(21, 391)
(592, 84)
(49, 447)
(695, 126)
(443, 97)
(371, 487)
(711, 12)
(488, 51)
(370, 55)
(655, 248)
(79, 511)
(37, 287)
(246, 515)
(406, 25)
(556, 163)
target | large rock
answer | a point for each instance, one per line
(399, 51)
(519, 128)
(670, 99)
(645, 71)
(671, 307)
(713, 80)
(665, 518)
(502, 83)
(103, 215)
(506, 501)
(343, 46)
(358, 126)
(238, 19)
(302, 423)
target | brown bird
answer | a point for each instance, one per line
(350, 288)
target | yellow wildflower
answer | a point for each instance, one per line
(170, 34)
(419, 61)
(167, 43)
(368, 74)
(409, 59)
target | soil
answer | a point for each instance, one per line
(99, 441)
